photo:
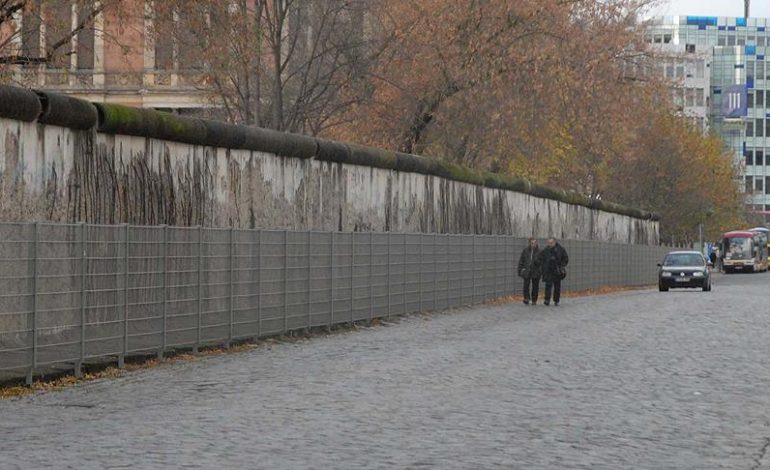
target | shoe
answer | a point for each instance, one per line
(556, 304)
(534, 303)
(546, 302)
(526, 302)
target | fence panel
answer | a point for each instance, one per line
(73, 293)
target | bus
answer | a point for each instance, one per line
(744, 251)
(766, 232)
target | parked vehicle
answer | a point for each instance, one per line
(684, 269)
(744, 251)
(766, 232)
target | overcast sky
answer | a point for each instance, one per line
(759, 8)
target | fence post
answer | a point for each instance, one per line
(403, 272)
(79, 363)
(309, 271)
(259, 283)
(473, 268)
(352, 269)
(162, 349)
(371, 276)
(448, 244)
(199, 306)
(419, 282)
(230, 290)
(285, 281)
(331, 277)
(389, 281)
(122, 357)
(435, 269)
(33, 261)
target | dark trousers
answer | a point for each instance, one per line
(532, 283)
(554, 285)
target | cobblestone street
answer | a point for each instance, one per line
(631, 380)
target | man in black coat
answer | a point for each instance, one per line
(553, 260)
(529, 270)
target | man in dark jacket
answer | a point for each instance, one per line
(553, 260)
(529, 270)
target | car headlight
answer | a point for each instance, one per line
(697, 274)
(665, 274)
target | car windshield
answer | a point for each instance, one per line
(739, 247)
(683, 259)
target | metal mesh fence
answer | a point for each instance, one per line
(74, 293)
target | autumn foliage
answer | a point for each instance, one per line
(559, 92)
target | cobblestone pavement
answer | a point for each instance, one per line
(631, 380)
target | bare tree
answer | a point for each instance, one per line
(284, 64)
(21, 23)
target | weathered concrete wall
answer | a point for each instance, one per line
(60, 174)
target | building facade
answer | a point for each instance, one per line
(738, 90)
(110, 54)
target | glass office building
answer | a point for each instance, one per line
(735, 51)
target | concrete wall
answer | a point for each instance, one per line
(59, 174)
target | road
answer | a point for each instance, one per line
(631, 380)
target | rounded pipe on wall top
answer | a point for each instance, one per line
(66, 111)
(19, 103)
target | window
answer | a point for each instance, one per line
(749, 184)
(761, 41)
(758, 157)
(85, 40)
(741, 42)
(767, 127)
(721, 41)
(699, 69)
(730, 40)
(669, 71)
(30, 33)
(666, 38)
(758, 186)
(680, 71)
(758, 127)
(749, 159)
(760, 98)
(690, 48)
(699, 97)
(750, 100)
(749, 130)
(689, 97)
(767, 186)
(164, 44)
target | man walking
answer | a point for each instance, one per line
(553, 260)
(529, 270)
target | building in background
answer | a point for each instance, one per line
(738, 93)
(689, 71)
(104, 54)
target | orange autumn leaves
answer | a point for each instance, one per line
(559, 92)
